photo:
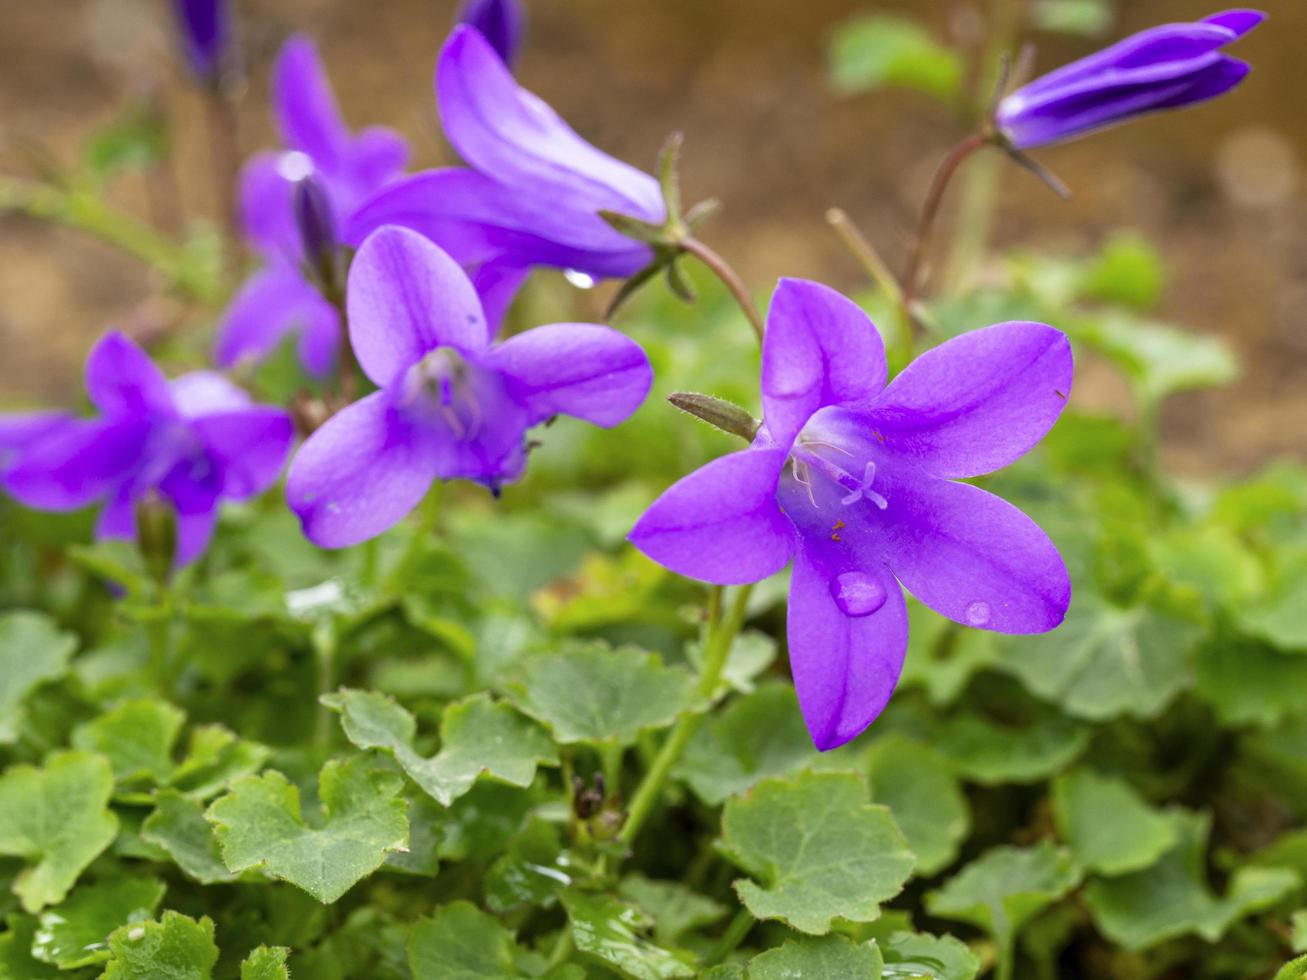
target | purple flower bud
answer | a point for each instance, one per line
(205, 33)
(317, 228)
(1163, 68)
(501, 22)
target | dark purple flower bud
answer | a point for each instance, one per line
(317, 228)
(501, 22)
(205, 33)
(1163, 68)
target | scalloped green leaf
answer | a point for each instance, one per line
(1295, 969)
(266, 963)
(597, 695)
(920, 956)
(477, 737)
(16, 960)
(879, 50)
(1172, 898)
(77, 932)
(175, 947)
(819, 958)
(1160, 360)
(178, 826)
(917, 783)
(1107, 826)
(987, 752)
(137, 737)
(614, 932)
(260, 825)
(819, 851)
(57, 819)
(460, 942)
(33, 650)
(675, 909)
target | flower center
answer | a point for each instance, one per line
(812, 459)
(443, 386)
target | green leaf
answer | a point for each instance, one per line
(531, 871)
(77, 933)
(592, 694)
(880, 50)
(818, 850)
(1160, 360)
(57, 820)
(613, 932)
(759, 735)
(215, 757)
(138, 139)
(1092, 18)
(1004, 888)
(1248, 682)
(175, 948)
(178, 826)
(819, 958)
(1104, 661)
(259, 825)
(1277, 618)
(33, 650)
(675, 909)
(990, 753)
(137, 737)
(460, 942)
(751, 654)
(478, 736)
(917, 783)
(919, 956)
(1171, 898)
(266, 963)
(16, 961)
(942, 656)
(1107, 826)
(1293, 970)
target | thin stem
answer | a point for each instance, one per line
(86, 212)
(158, 632)
(731, 938)
(717, 648)
(611, 760)
(930, 211)
(562, 949)
(866, 254)
(324, 653)
(729, 278)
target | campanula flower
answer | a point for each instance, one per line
(204, 29)
(501, 22)
(451, 404)
(533, 189)
(192, 441)
(854, 481)
(1163, 68)
(345, 167)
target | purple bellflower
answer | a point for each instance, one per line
(1163, 68)
(501, 22)
(345, 168)
(531, 193)
(21, 431)
(853, 480)
(193, 441)
(204, 30)
(451, 404)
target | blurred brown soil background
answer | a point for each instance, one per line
(1221, 188)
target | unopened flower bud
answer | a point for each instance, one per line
(501, 22)
(205, 34)
(317, 229)
(156, 535)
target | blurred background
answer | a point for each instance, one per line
(1219, 189)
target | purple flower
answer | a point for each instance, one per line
(451, 404)
(854, 481)
(534, 190)
(346, 167)
(501, 22)
(194, 441)
(205, 33)
(19, 432)
(1163, 68)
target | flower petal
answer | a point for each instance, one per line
(504, 131)
(24, 429)
(81, 463)
(970, 555)
(359, 474)
(580, 369)
(199, 393)
(194, 532)
(845, 667)
(274, 302)
(1208, 84)
(267, 186)
(497, 283)
(122, 380)
(978, 401)
(721, 523)
(248, 445)
(306, 107)
(1238, 21)
(406, 297)
(819, 349)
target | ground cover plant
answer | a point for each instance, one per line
(384, 621)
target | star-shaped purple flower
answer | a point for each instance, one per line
(452, 405)
(533, 189)
(348, 167)
(854, 481)
(1163, 68)
(501, 23)
(195, 441)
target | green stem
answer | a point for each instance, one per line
(717, 648)
(731, 938)
(157, 633)
(611, 756)
(85, 212)
(729, 278)
(324, 653)
(562, 949)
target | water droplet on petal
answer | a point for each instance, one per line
(857, 594)
(294, 165)
(978, 613)
(581, 280)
